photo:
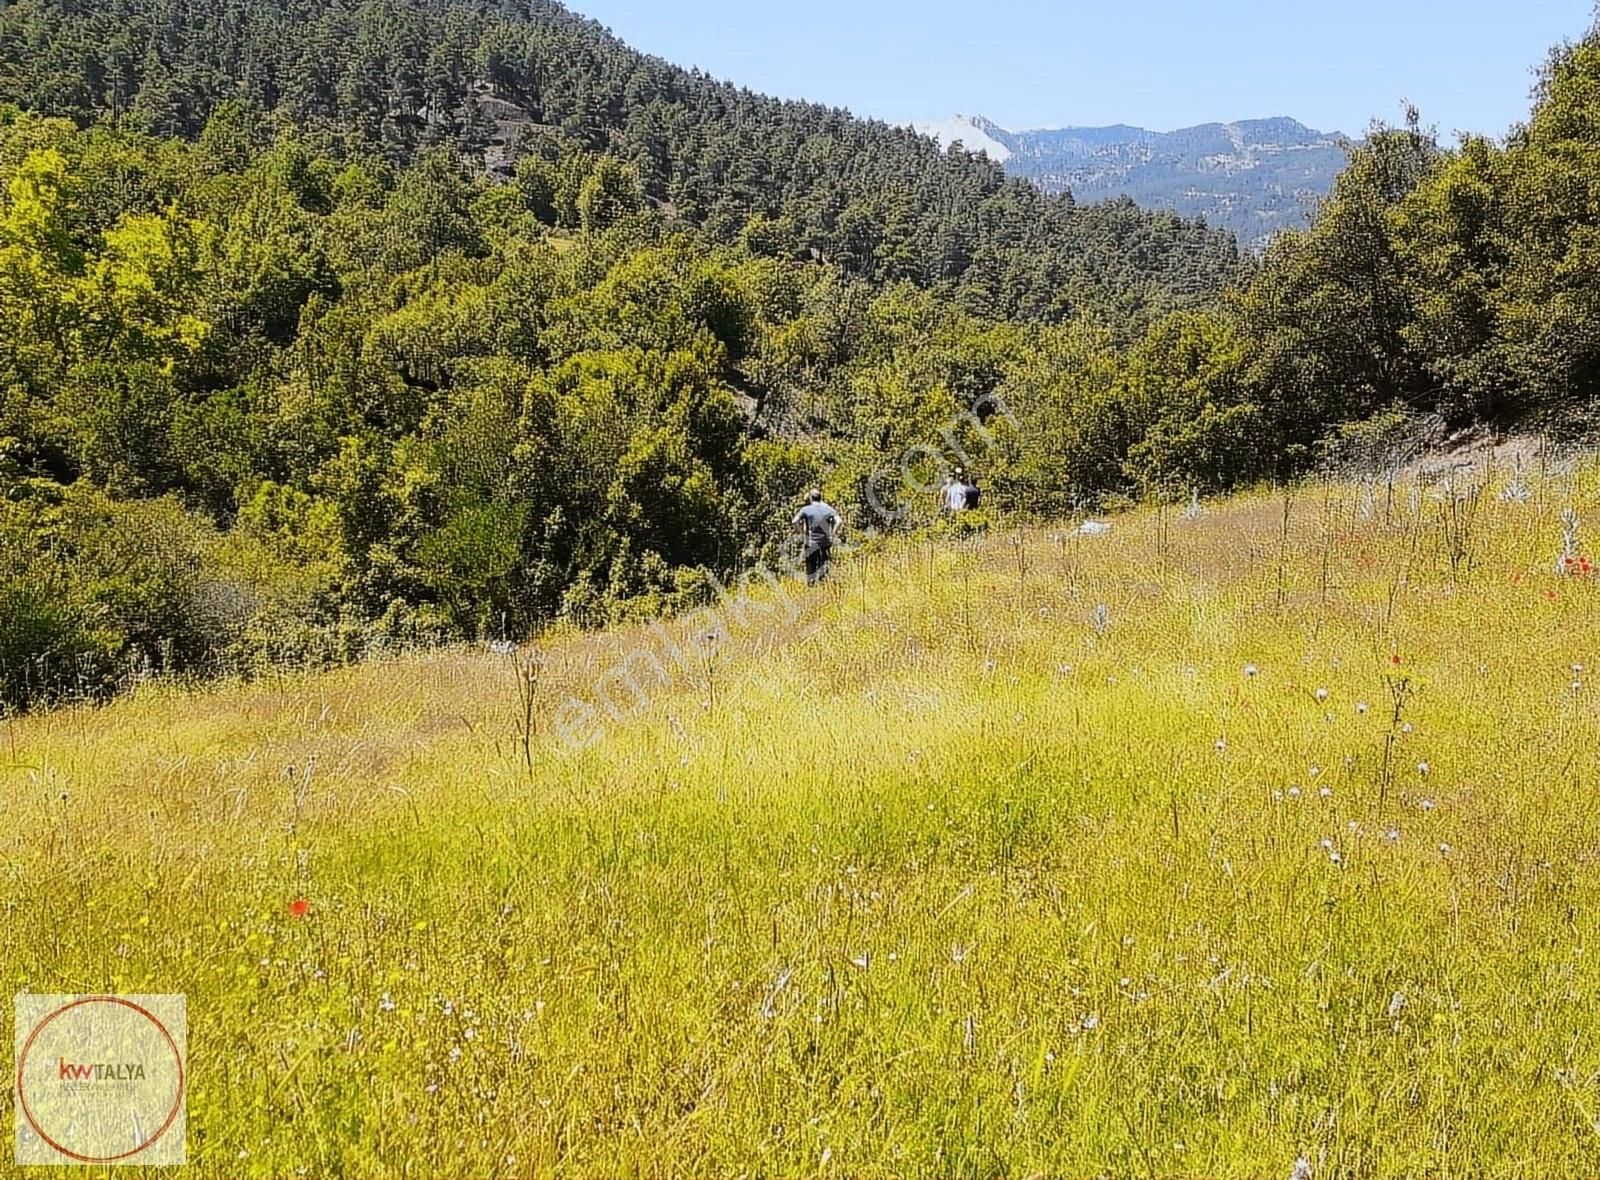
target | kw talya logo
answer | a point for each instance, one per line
(126, 1071)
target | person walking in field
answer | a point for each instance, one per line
(953, 496)
(959, 494)
(819, 523)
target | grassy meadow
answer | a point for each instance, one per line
(1214, 843)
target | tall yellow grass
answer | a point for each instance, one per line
(1031, 854)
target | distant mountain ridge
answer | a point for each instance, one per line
(1255, 177)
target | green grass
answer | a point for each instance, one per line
(939, 878)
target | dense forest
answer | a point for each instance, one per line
(329, 326)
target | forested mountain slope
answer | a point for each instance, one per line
(483, 78)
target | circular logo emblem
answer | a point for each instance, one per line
(100, 1079)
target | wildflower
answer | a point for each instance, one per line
(1335, 859)
(958, 953)
(1326, 793)
(299, 907)
(862, 961)
(386, 1004)
(1444, 850)
(1091, 1022)
(1249, 669)
(1392, 835)
(1222, 745)
(1294, 792)
(455, 1053)
(1406, 728)
(1302, 1169)
(1427, 805)
(1361, 707)
(1277, 796)
(1327, 846)
(1314, 770)
(1322, 694)
(1397, 1002)
(1423, 768)
(1395, 659)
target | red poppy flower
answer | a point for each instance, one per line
(299, 907)
(1583, 565)
(1395, 659)
(1551, 595)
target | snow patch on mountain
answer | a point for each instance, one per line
(972, 134)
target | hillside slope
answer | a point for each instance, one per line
(497, 79)
(1046, 854)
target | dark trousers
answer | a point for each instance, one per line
(818, 554)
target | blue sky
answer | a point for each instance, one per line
(1161, 64)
